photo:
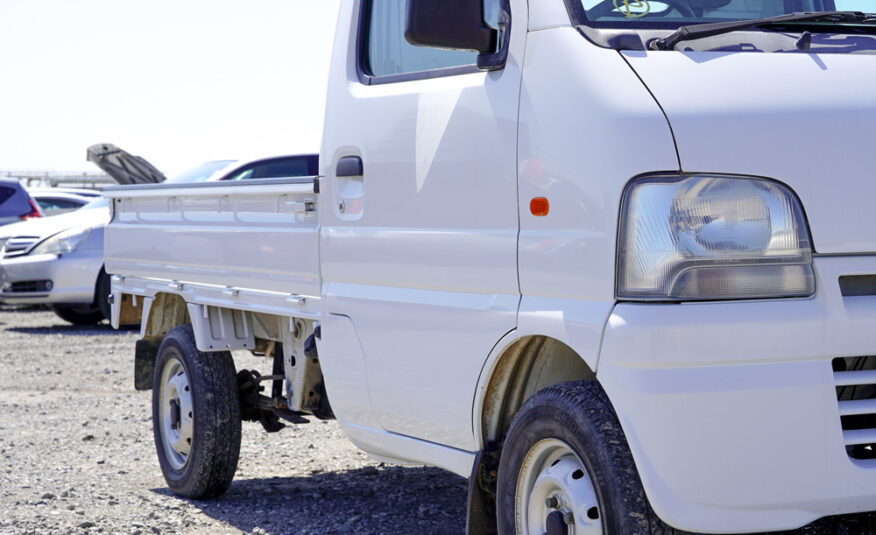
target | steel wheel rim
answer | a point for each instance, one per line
(175, 413)
(555, 493)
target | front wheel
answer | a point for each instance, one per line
(566, 469)
(195, 416)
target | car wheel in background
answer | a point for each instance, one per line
(79, 314)
(101, 294)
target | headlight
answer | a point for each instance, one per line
(63, 242)
(712, 237)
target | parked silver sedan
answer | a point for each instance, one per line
(58, 261)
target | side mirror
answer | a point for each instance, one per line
(456, 24)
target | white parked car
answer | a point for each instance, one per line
(58, 261)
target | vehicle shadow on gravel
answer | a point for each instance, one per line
(371, 500)
(75, 330)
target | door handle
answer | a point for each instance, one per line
(349, 166)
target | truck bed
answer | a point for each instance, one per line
(249, 244)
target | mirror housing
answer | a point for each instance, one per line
(455, 24)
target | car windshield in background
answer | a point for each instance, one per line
(99, 202)
(280, 167)
(674, 13)
(200, 173)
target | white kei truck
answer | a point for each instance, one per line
(614, 261)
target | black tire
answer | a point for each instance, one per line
(208, 467)
(101, 294)
(580, 415)
(78, 314)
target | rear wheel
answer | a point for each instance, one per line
(195, 416)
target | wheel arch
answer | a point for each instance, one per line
(157, 315)
(161, 313)
(520, 368)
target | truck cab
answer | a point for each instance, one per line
(663, 213)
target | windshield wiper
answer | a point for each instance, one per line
(697, 31)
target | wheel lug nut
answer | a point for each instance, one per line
(552, 502)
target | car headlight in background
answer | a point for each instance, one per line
(64, 242)
(707, 237)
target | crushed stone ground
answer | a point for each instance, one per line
(77, 455)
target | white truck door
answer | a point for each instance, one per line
(419, 216)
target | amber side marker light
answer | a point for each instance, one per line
(539, 206)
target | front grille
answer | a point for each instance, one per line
(27, 286)
(18, 245)
(855, 379)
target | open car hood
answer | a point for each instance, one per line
(123, 167)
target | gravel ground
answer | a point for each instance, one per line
(77, 454)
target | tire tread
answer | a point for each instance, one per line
(587, 405)
(214, 390)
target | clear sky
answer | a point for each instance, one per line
(178, 82)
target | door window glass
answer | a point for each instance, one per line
(388, 53)
(5, 193)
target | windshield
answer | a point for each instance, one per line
(100, 202)
(674, 13)
(200, 173)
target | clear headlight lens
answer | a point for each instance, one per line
(706, 237)
(63, 242)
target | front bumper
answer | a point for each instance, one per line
(731, 410)
(73, 277)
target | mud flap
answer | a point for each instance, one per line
(481, 507)
(145, 352)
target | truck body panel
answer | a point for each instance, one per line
(218, 229)
(427, 242)
(769, 116)
(709, 412)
